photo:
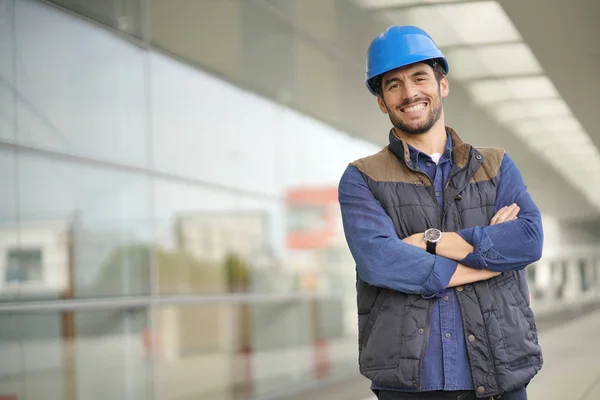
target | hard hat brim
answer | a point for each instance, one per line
(407, 60)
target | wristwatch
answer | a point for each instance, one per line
(432, 236)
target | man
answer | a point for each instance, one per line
(440, 252)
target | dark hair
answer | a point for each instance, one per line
(436, 64)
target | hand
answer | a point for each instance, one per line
(464, 275)
(507, 213)
(418, 239)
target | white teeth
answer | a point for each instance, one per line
(418, 107)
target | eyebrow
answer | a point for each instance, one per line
(414, 74)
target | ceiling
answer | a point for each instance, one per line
(562, 36)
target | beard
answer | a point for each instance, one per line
(420, 127)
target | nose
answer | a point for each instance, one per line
(409, 91)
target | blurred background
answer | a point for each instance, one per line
(169, 225)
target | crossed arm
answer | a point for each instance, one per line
(454, 247)
(466, 256)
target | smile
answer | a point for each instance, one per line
(414, 108)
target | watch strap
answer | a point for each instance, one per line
(431, 246)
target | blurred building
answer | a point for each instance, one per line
(315, 239)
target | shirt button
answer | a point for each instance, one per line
(459, 288)
(471, 338)
(448, 335)
(480, 390)
(446, 298)
(429, 164)
(437, 194)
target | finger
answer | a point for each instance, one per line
(513, 213)
(497, 216)
(502, 214)
(508, 214)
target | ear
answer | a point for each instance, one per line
(444, 87)
(382, 105)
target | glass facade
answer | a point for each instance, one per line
(169, 225)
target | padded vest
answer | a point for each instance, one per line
(502, 342)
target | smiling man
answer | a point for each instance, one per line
(441, 233)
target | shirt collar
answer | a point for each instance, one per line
(414, 153)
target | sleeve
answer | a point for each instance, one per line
(382, 258)
(510, 245)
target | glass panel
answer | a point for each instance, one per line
(239, 128)
(83, 231)
(197, 356)
(596, 275)
(81, 90)
(268, 53)
(234, 352)
(90, 355)
(124, 15)
(193, 37)
(9, 241)
(210, 241)
(7, 71)
(10, 350)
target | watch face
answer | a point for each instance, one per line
(433, 235)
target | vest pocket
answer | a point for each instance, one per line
(516, 323)
(366, 314)
(521, 279)
(377, 348)
(367, 298)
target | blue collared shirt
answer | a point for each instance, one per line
(383, 260)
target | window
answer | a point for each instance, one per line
(306, 219)
(24, 265)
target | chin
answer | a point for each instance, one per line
(416, 130)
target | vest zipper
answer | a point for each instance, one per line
(432, 193)
(426, 344)
(452, 175)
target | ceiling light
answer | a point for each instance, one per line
(506, 59)
(515, 110)
(375, 4)
(562, 125)
(522, 88)
(459, 23)
(568, 138)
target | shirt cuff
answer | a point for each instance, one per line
(438, 281)
(482, 246)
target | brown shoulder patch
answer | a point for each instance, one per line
(492, 160)
(384, 166)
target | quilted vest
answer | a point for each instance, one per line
(502, 339)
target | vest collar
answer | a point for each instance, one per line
(460, 149)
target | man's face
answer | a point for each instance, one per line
(412, 97)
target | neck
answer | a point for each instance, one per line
(430, 142)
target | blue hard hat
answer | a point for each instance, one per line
(399, 46)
